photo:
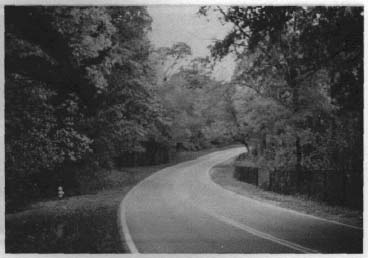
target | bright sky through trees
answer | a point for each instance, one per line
(182, 24)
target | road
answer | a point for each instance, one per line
(180, 210)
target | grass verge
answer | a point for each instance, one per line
(223, 175)
(80, 224)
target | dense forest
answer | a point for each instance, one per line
(85, 91)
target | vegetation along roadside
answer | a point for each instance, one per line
(84, 223)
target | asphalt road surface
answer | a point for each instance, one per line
(180, 210)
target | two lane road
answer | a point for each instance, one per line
(180, 210)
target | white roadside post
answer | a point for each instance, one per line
(60, 192)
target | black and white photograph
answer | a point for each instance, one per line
(182, 128)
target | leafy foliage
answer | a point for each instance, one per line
(194, 102)
(85, 90)
(77, 92)
(305, 83)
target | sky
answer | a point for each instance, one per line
(182, 24)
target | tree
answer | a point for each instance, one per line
(77, 89)
(168, 60)
(289, 55)
(196, 107)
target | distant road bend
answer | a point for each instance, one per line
(180, 210)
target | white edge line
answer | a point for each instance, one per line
(278, 207)
(125, 235)
(259, 233)
(124, 230)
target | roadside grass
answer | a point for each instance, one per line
(81, 224)
(223, 176)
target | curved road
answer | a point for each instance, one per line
(180, 210)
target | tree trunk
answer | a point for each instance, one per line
(263, 143)
(298, 150)
(298, 168)
(245, 143)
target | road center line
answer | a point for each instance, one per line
(258, 233)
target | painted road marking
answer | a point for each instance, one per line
(259, 233)
(264, 203)
(126, 237)
(124, 227)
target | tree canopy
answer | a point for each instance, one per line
(307, 62)
(86, 91)
(77, 88)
